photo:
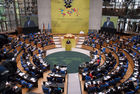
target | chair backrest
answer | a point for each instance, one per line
(4, 49)
(46, 90)
(85, 69)
(104, 49)
(49, 79)
(114, 48)
(87, 78)
(62, 72)
(29, 85)
(60, 80)
(131, 92)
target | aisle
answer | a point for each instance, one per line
(74, 84)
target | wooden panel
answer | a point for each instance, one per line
(87, 48)
(49, 47)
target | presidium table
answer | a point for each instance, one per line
(68, 42)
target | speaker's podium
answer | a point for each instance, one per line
(69, 40)
(68, 45)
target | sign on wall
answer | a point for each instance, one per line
(69, 18)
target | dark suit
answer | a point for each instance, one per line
(68, 42)
(29, 23)
(110, 25)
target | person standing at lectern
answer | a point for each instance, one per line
(108, 23)
(68, 42)
(29, 23)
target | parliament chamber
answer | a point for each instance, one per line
(69, 46)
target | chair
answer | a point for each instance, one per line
(54, 70)
(15, 51)
(29, 85)
(114, 48)
(46, 90)
(23, 82)
(50, 79)
(117, 79)
(33, 73)
(134, 46)
(102, 87)
(100, 57)
(135, 53)
(91, 89)
(39, 51)
(131, 92)
(62, 72)
(87, 78)
(20, 43)
(26, 69)
(93, 40)
(57, 90)
(138, 48)
(137, 88)
(103, 50)
(96, 52)
(112, 82)
(59, 80)
(4, 49)
(85, 69)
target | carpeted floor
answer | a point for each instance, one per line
(69, 58)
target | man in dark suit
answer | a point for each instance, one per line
(68, 42)
(29, 23)
(108, 23)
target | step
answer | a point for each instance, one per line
(80, 43)
(74, 84)
(80, 40)
(56, 39)
(78, 46)
(57, 43)
(81, 37)
(58, 46)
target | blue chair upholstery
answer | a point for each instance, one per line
(137, 88)
(93, 40)
(134, 46)
(23, 82)
(50, 79)
(62, 72)
(135, 53)
(60, 80)
(117, 79)
(131, 92)
(103, 50)
(29, 85)
(92, 89)
(138, 48)
(39, 51)
(57, 91)
(53, 70)
(20, 43)
(4, 49)
(46, 90)
(87, 78)
(114, 48)
(85, 69)
(96, 52)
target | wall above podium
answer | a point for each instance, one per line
(94, 12)
(70, 20)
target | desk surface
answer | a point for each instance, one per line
(54, 85)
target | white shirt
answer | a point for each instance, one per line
(108, 23)
(28, 23)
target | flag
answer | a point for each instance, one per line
(43, 27)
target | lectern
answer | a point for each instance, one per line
(68, 45)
